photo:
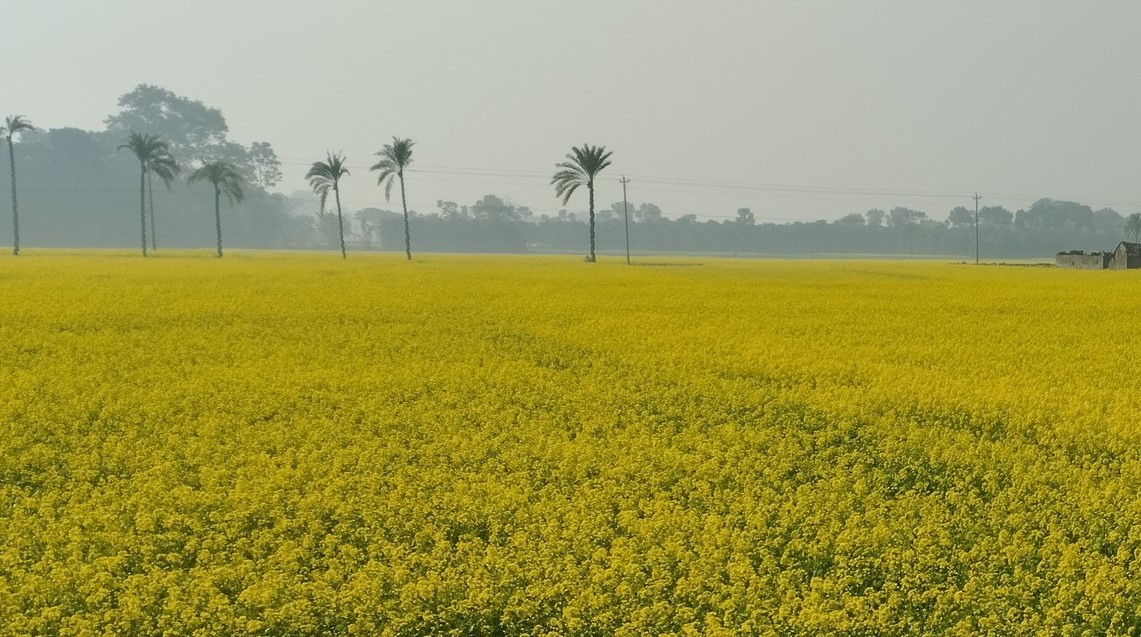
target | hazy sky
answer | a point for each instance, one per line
(794, 109)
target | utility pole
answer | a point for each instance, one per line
(626, 216)
(976, 198)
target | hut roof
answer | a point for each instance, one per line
(1131, 249)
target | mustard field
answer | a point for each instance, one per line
(292, 444)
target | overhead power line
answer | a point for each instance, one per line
(653, 185)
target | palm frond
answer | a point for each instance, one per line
(385, 165)
(582, 166)
(401, 151)
(14, 124)
(386, 178)
(572, 167)
(398, 153)
(565, 189)
(337, 165)
(166, 168)
(146, 147)
(325, 174)
(233, 192)
(222, 175)
(395, 157)
(321, 184)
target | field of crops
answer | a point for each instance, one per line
(284, 444)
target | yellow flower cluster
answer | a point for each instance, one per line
(284, 444)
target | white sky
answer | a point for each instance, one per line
(920, 102)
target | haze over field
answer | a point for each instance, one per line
(857, 105)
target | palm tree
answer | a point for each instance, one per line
(167, 169)
(1133, 226)
(583, 166)
(226, 180)
(147, 149)
(327, 174)
(394, 158)
(14, 125)
(323, 193)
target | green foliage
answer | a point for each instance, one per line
(264, 165)
(225, 178)
(324, 176)
(190, 126)
(394, 158)
(146, 147)
(854, 219)
(14, 125)
(1048, 213)
(151, 151)
(960, 217)
(901, 217)
(195, 132)
(1133, 226)
(166, 168)
(996, 216)
(584, 163)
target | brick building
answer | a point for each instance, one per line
(1127, 256)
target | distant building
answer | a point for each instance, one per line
(1127, 256)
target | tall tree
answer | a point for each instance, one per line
(492, 208)
(1133, 226)
(194, 131)
(146, 148)
(907, 220)
(648, 213)
(226, 180)
(264, 165)
(394, 158)
(960, 217)
(996, 216)
(14, 125)
(583, 165)
(851, 219)
(326, 226)
(167, 169)
(326, 175)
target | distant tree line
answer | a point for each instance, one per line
(82, 188)
(494, 224)
(77, 189)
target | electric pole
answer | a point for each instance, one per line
(976, 198)
(626, 216)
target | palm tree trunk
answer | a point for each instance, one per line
(340, 220)
(407, 232)
(590, 187)
(154, 228)
(217, 217)
(143, 203)
(15, 211)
